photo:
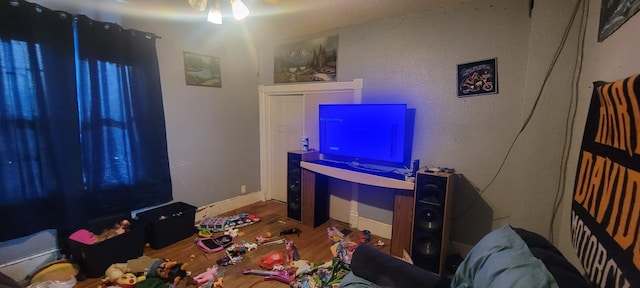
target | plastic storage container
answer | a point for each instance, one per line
(169, 224)
(94, 259)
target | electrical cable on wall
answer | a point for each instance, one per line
(533, 108)
(571, 117)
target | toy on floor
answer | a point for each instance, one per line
(292, 251)
(135, 266)
(334, 234)
(343, 250)
(272, 259)
(169, 271)
(221, 223)
(365, 237)
(216, 244)
(206, 277)
(229, 259)
(205, 232)
(129, 280)
(291, 231)
(233, 232)
(282, 276)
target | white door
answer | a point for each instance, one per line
(286, 118)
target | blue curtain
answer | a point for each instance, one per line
(124, 149)
(82, 130)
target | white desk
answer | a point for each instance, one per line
(402, 209)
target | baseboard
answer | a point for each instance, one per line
(19, 269)
(376, 228)
(227, 205)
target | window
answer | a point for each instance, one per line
(82, 130)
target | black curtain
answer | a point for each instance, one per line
(82, 131)
(125, 160)
(40, 169)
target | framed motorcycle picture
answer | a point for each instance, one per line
(477, 78)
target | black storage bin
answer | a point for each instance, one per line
(94, 259)
(169, 224)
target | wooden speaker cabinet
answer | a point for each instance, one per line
(307, 193)
(432, 220)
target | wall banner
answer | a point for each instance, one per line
(606, 198)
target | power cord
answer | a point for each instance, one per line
(571, 118)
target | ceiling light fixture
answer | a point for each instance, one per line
(240, 11)
(215, 14)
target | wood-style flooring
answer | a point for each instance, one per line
(313, 245)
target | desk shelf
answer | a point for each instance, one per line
(358, 177)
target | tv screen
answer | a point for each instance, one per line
(379, 134)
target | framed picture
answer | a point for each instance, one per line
(201, 70)
(477, 78)
(306, 61)
(614, 13)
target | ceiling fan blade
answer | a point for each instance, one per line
(199, 5)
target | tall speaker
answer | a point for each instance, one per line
(432, 220)
(294, 181)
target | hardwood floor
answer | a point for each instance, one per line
(313, 245)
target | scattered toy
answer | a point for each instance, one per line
(229, 260)
(272, 259)
(169, 271)
(292, 251)
(205, 277)
(291, 231)
(211, 245)
(334, 234)
(365, 237)
(282, 276)
(233, 232)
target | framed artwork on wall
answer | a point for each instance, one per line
(306, 61)
(477, 78)
(201, 70)
(614, 13)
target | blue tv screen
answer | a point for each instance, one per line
(379, 134)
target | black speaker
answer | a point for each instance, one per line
(432, 220)
(294, 181)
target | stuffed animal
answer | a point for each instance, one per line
(167, 270)
(115, 271)
(136, 266)
(127, 280)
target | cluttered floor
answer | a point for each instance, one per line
(274, 241)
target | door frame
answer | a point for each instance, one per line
(264, 92)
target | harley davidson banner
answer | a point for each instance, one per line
(606, 199)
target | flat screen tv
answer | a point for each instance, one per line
(367, 134)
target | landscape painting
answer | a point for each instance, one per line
(201, 70)
(306, 61)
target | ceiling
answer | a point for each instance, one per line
(291, 17)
